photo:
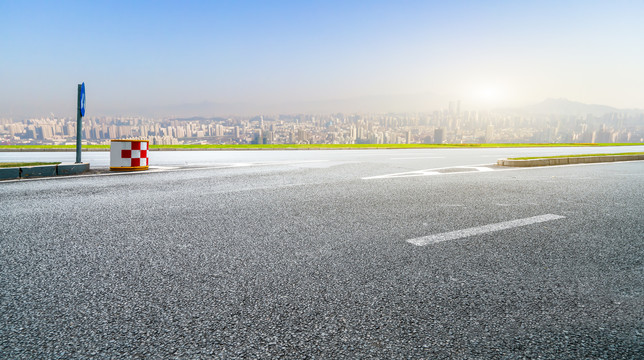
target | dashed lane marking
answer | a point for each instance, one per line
(459, 234)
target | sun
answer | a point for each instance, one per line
(488, 94)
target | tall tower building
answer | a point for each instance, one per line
(439, 135)
(489, 134)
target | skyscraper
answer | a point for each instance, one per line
(489, 134)
(439, 135)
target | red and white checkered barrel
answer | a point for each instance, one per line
(129, 155)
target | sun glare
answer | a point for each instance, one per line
(488, 95)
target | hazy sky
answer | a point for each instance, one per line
(146, 54)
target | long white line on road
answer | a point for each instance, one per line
(429, 172)
(477, 168)
(459, 234)
(158, 169)
(419, 157)
(486, 168)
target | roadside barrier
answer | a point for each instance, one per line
(568, 160)
(129, 155)
(25, 172)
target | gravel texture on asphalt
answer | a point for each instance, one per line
(296, 262)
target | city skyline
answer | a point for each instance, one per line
(574, 123)
(286, 57)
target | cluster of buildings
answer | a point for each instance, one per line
(451, 126)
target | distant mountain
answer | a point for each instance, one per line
(423, 102)
(420, 102)
(567, 107)
(366, 104)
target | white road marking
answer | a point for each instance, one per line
(420, 157)
(407, 174)
(162, 168)
(159, 169)
(478, 168)
(428, 172)
(458, 234)
(500, 156)
(485, 168)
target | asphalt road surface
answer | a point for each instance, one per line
(380, 254)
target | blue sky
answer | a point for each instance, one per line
(146, 54)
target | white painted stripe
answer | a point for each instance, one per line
(435, 171)
(420, 157)
(367, 178)
(458, 234)
(161, 168)
(479, 168)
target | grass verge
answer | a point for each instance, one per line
(364, 146)
(21, 164)
(59, 147)
(567, 156)
(306, 146)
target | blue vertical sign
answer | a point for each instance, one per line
(82, 99)
(80, 112)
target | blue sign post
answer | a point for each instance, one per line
(82, 99)
(80, 112)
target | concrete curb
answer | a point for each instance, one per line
(43, 171)
(40, 170)
(9, 173)
(568, 160)
(71, 168)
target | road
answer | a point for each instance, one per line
(380, 254)
(413, 158)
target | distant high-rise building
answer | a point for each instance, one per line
(301, 135)
(603, 136)
(489, 134)
(439, 135)
(112, 132)
(259, 137)
(69, 129)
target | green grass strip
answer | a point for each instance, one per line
(567, 156)
(21, 164)
(61, 147)
(365, 146)
(310, 146)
